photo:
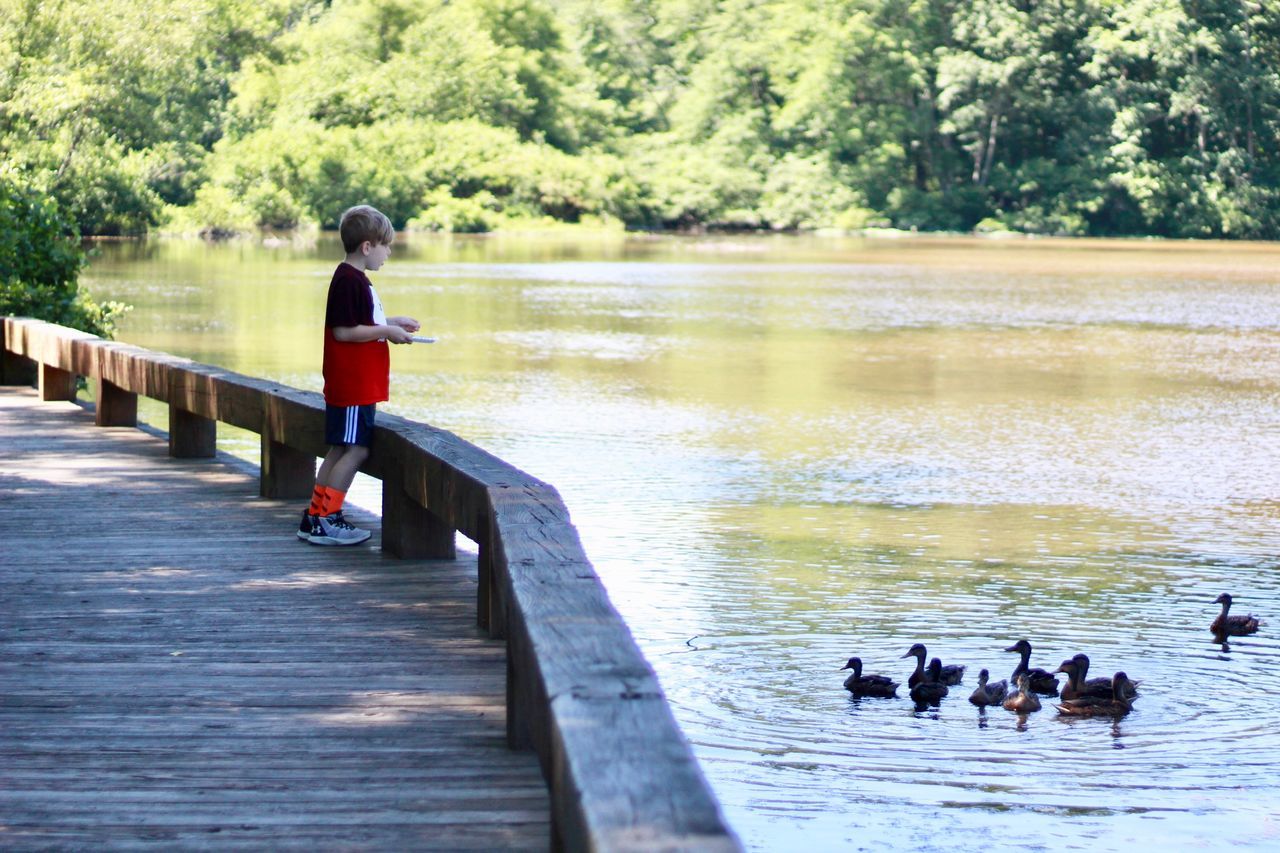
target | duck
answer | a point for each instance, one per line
(868, 685)
(1024, 701)
(1232, 626)
(932, 688)
(1039, 681)
(951, 673)
(988, 694)
(1079, 684)
(1119, 703)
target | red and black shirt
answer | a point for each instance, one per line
(355, 374)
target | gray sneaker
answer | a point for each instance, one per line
(336, 530)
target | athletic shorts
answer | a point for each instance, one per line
(349, 425)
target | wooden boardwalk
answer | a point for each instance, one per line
(178, 670)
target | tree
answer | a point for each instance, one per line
(40, 261)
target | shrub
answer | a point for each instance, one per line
(40, 261)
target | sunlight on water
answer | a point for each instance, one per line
(784, 451)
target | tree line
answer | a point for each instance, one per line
(1082, 117)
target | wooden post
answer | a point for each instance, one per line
(285, 472)
(491, 608)
(190, 435)
(484, 586)
(116, 406)
(409, 530)
(16, 370)
(56, 383)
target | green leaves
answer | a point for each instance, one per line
(1049, 116)
(40, 261)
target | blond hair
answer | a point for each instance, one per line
(361, 223)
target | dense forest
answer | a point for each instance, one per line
(1103, 117)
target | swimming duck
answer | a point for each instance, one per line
(988, 694)
(932, 688)
(1117, 704)
(951, 673)
(1039, 681)
(868, 685)
(1079, 684)
(1232, 626)
(1022, 702)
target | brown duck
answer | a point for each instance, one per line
(1024, 701)
(1079, 684)
(1232, 626)
(868, 685)
(1039, 681)
(1117, 704)
(988, 694)
(931, 689)
(950, 674)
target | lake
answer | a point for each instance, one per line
(782, 451)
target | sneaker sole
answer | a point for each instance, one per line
(305, 537)
(329, 540)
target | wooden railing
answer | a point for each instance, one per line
(579, 692)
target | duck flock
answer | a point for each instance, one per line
(1081, 696)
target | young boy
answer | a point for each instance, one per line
(357, 368)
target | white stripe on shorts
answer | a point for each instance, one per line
(350, 435)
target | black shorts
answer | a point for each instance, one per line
(349, 425)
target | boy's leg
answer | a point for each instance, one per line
(349, 432)
(320, 492)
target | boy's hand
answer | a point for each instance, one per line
(407, 323)
(398, 335)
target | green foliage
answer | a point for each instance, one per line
(444, 212)
(40, 261)
(1045, 116)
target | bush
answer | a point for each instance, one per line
(473, 215)
(40, 261)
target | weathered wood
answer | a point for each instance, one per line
(191, 436)
(15, 369)
(490, 603)
(409, 529)
(178, 690)
(285, 472)
(579, 692)
(56, 383)
(115, 406)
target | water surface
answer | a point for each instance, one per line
(783, 451)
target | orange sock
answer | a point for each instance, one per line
(332, 501)
(317, 500)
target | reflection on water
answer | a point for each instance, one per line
(785, 451)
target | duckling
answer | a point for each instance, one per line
(1232, 626)
(1116, 705)
(951, 673)
(930, 690)
(1079, 684)
(868, 685)
(1042, 682)
(988, 694)
(1022, 702)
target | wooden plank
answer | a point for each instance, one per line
(198, 673)
(115, 407)
(284, 471)
(533, 582)
(191, 436)
(56, 383)
(15, 369)
(409, 529)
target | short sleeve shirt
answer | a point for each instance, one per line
(355, 374)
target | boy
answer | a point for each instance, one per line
(357, 367)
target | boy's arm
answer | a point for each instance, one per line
(407, 323)
(364, 334)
